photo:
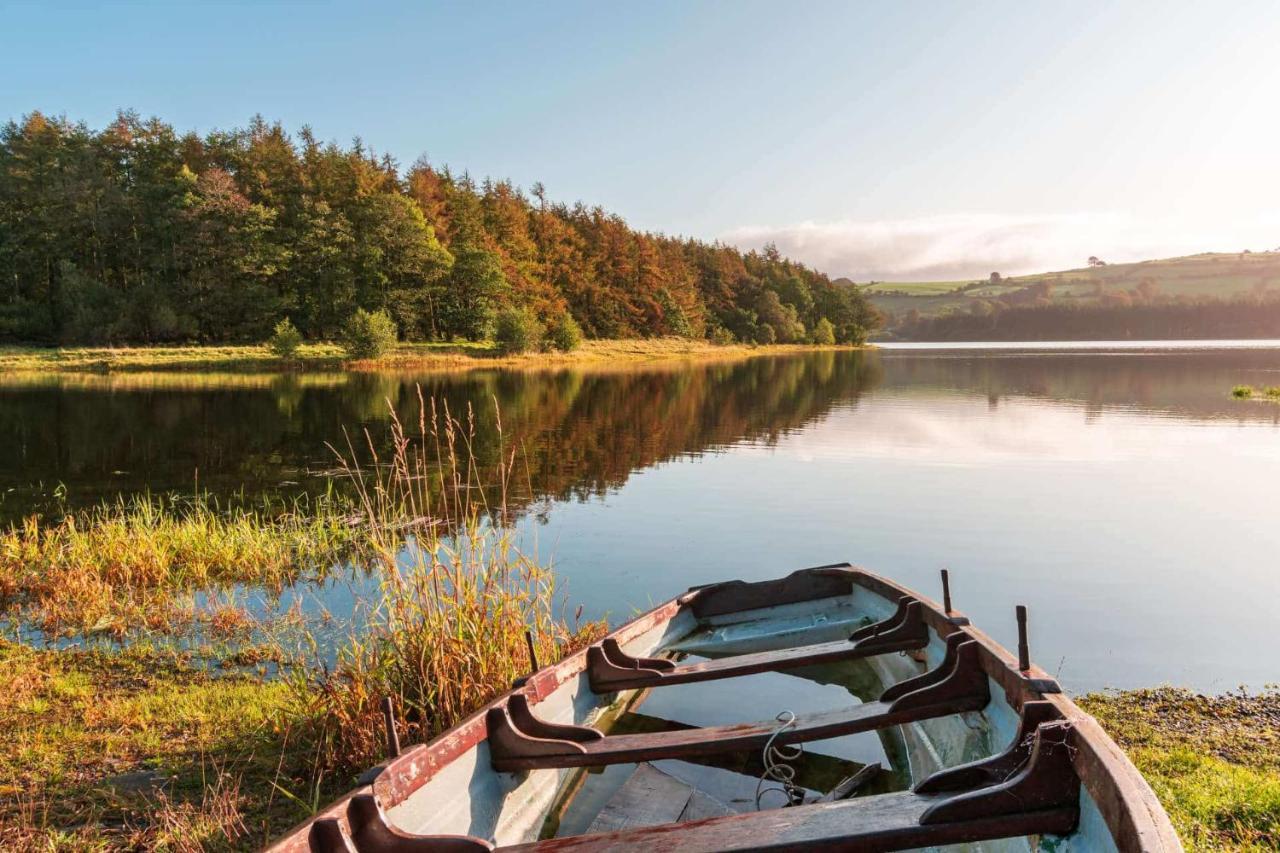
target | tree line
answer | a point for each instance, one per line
(1114, 318)
(136, 233)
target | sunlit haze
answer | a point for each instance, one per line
(875, 141)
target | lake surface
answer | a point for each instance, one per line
(1119, 492)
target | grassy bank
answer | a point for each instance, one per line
(1214, 762)
(134, 749)
(331, 356)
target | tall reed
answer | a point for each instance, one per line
(456, 592)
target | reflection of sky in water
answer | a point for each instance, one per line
(1142, 543)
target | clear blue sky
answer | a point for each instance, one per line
(892, 139)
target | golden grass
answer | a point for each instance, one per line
(133, 564)
(323, 356)
(1214, 762)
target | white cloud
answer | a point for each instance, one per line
(962, 246)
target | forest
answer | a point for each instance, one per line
(137, 233)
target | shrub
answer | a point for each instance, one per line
(369, 335)
(565, 334)
(517, 330)
(722, 337)
(285, 340)
(765, 334)
(1273, 391)
(824, 333)
(1243, 392)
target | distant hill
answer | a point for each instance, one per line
(1184, 280)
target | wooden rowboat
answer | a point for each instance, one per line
(989, 752)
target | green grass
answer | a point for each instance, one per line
(914, 288)
(217, 747)
(1214, 762)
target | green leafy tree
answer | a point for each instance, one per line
(469, 298)
(399, 261)
(824, 333)
(227, 259)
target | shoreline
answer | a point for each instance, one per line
(318, 357)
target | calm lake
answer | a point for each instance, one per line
(1118, 491)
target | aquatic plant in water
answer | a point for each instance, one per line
(447, 631)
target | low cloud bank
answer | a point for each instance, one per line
(964, 246)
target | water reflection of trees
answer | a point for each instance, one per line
(583, 431)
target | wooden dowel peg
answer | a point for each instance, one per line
(1024, 653)
(533, 652)
(389, 720)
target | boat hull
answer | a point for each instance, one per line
(449, 787)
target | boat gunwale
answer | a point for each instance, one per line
(397, 779)
(1128, 805)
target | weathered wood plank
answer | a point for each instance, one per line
(850, 785)
(649, 798)
(964, 688)
(863, 824)
(702, 806)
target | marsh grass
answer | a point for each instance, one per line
(1248, 392)
(456, 593)
(134, 564)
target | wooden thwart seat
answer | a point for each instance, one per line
(1029, 789)
(609, 668)
(1040, 797)
(518, 740)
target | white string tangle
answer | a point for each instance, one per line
(777, 767)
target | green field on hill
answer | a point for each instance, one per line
(1222, 275)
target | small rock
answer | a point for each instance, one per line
(137, 781)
